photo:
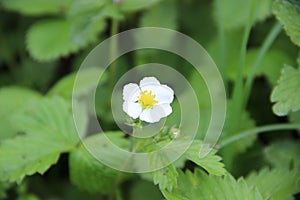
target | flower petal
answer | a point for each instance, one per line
(164, 94)
(149, 81)
(163, 110)
(132, 109)
(131, 92)
(156, 113)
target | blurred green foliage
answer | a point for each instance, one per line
(254, 43)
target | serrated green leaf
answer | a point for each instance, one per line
(275, 184)
(241, 9)
(135, 5)
(52, 38)
(286, 94)
(211, 163)
(288, 14)
(206, 187)
(48, 131)
(9, 104)
(165, 178)
(37, 7)
(283, 153)
(90, 174)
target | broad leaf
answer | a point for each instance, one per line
(288, 14)
(86, 80)
(202, 186)
(283, 153)
(37, 7)
(12, 99)
(90, 174)
(275, 184)
(48, 131)
(52, 38)
(286, 93)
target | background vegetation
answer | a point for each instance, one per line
(255, 44)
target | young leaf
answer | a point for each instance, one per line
(288, 14)
(211, 163)
(283, 153)
(90, 174)
(202, 186)
(286, 93)
(10, 103)
(48, 131)
(275, 184)
(165, 178)
(64, 36)
(37, 7)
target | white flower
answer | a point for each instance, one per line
(149, 101)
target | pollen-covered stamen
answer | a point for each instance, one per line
(147, 99)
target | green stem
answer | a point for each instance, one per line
(258, 130)
(113, 51)
(263, 50)
(238, 86)
(222, 43)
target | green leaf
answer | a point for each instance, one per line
(37, 7)
(283, 153)
(9, 104)
(231, 151)
(87, 79)
(285, 94)
(90, 174)
(166, 177)
(270, 66)
(139, 188)
(158, 17)
(206, 187)
(288, 14)
(48, 131)
(242, 10)
(211, 163)
(135, 5)
(79, 7)
(275, 184)
(52, 38)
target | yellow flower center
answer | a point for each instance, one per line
(147, 99)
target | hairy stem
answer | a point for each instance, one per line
(274, 32)
(256, 131)
(238, 86)
(113, 51)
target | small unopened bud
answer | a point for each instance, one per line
(174, 132)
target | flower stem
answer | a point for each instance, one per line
(263, 50)
(113, 51)
(237, 96)
(256, 131)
